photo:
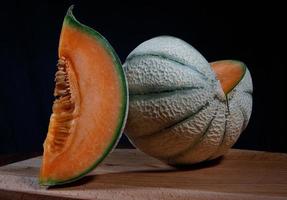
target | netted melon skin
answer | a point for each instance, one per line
(178, 111)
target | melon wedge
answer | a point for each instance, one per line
(90, 108)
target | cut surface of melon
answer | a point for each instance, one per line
(90, 108)
(229, 73)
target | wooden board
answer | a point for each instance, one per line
(130, 174)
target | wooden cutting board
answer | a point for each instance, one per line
(130, 174)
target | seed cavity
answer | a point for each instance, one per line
(63, 109)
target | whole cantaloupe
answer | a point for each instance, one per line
(182, 109)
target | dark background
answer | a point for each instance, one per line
(28, 56)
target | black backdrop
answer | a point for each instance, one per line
(28, 55)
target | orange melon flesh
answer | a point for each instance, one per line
(229, 73)
(98, 88)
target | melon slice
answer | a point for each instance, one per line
(90, 106)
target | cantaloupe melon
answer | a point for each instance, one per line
(90, 108)
(182, 109)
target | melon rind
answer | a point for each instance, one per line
(178, 111)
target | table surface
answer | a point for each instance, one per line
(129, 174)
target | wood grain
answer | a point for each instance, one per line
(130, 174)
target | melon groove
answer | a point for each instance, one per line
(175, 60)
